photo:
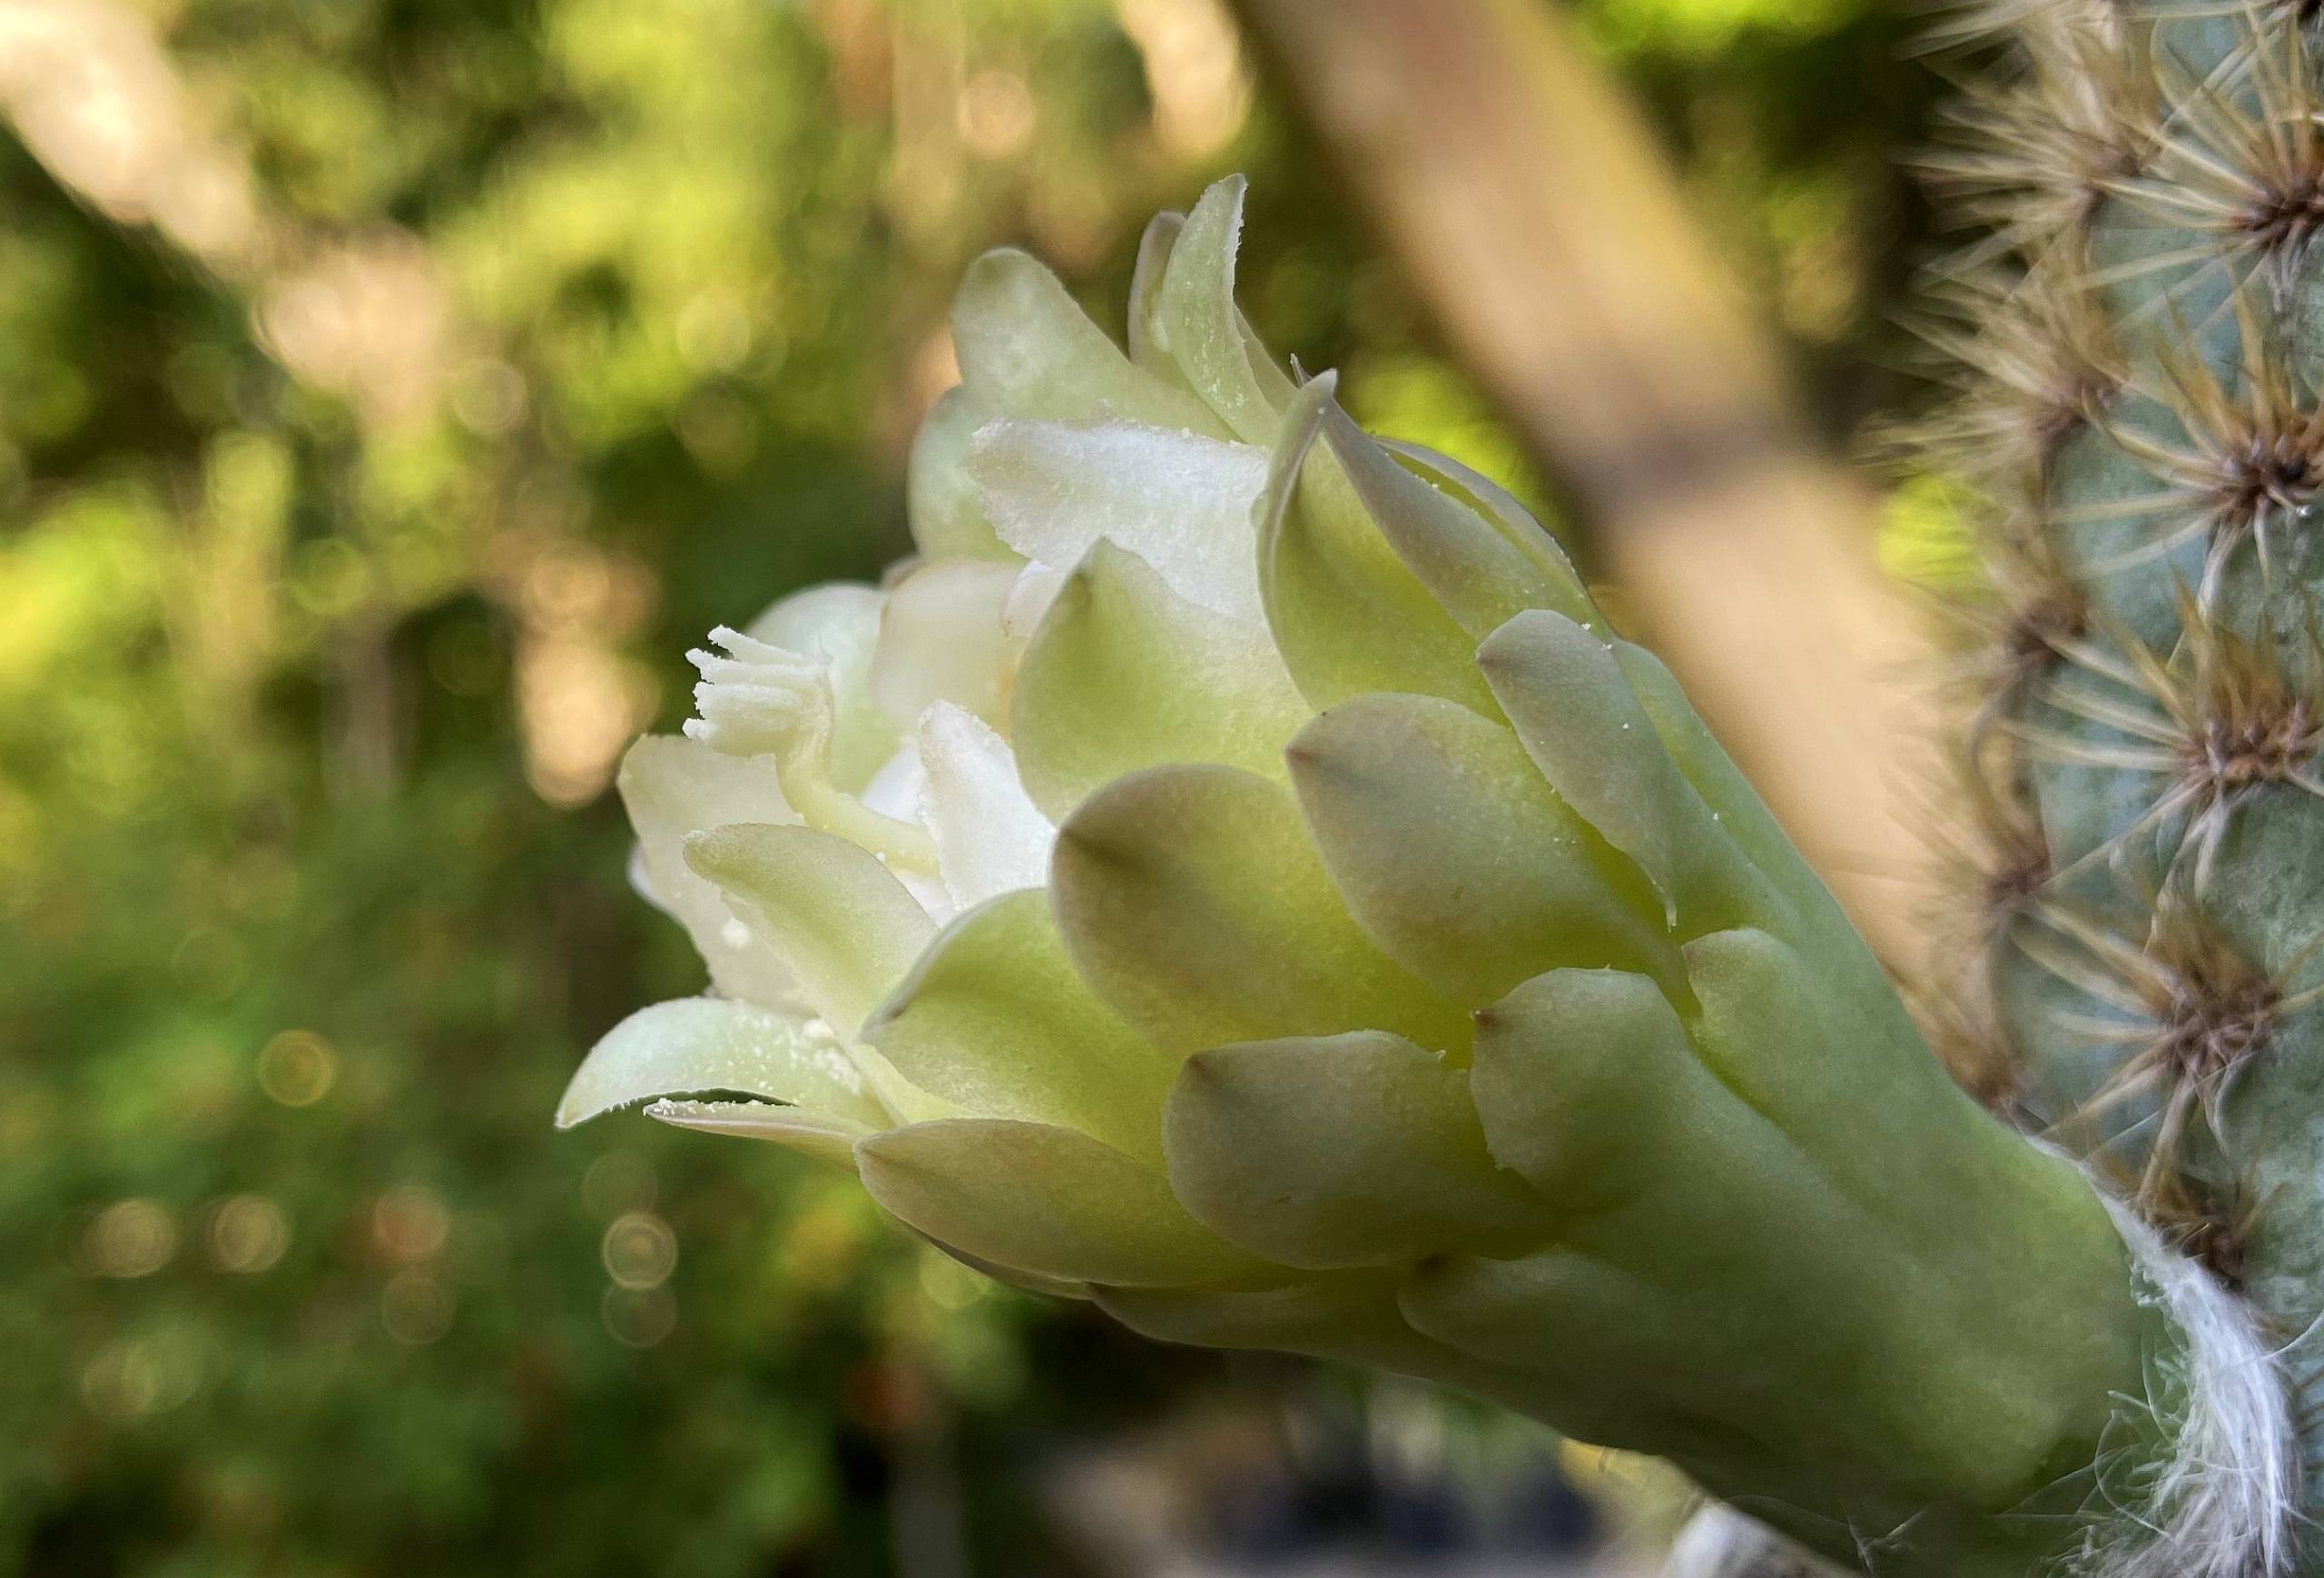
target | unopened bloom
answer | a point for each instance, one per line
(1234, 875)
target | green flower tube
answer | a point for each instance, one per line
(1235, 875)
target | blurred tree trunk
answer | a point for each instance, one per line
(1529, 205)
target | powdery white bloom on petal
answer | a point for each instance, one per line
(989, 838)
(1179, 501)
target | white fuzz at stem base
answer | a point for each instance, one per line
(2224, 1505)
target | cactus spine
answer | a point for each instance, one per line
(2139, 403)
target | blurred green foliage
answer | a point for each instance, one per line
(389, 392)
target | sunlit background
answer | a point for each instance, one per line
(390, 391)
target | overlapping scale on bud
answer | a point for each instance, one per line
(1236, 875)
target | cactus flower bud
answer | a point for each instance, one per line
(1235, 875)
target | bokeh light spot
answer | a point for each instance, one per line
(297, 1067)
(416, 1308)
(410, 1223)
(247, 1234)
(639, 1250)
(136, 1377)
(639, 1317)
(133, 1237)
(618, 1182)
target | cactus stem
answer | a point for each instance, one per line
(2249, 167)
(2189, 1012)
(2032, 362)
(2252, 461)
(2230, 718)
(2018, 867)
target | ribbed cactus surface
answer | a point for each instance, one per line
(2138, 349)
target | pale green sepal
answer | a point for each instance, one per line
(1473, 571)
(1348, 1316)
(1721, 1260)
(1154, 247)
(1563, 691)
(1606, 1346)
(994, 1017)
(1510, 517)
(1197, 324)
(699, 1044)
(1336, 1151)
(1347, 612)
(826, 1139)
(834, 913)
(940, 499)
(1027, 350)
(1124, 673)
(671, 785)
(1588, 1084)
(1577, 1073)
(1192, 900)
(1024, 1281)
(1457, 858)
(1704, 762)
(1275, 386)
(1310, 1314)
(1146, 307)
(1851, 1085)
(905, 1102)
(1035, 1197)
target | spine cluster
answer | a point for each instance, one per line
(2134, 341)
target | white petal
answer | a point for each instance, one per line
(942, 639)
(1179, 501)
(838, 620)
(1037, 588)
(989, 838)
(831, 908)
(699, 1044)
(897, 791)
(674, 786)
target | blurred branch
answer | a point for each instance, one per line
(96, 97)
(1527, 203)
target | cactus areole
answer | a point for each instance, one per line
(1234, 875)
